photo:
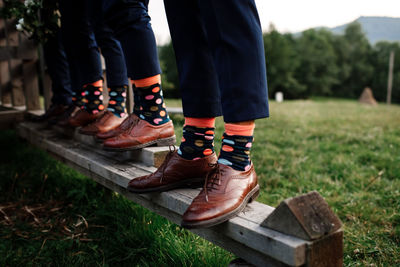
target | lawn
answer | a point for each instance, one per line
(348, 152)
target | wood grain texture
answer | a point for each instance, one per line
(31, 84)
(307, 216)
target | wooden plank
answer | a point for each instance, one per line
(30, 84)
(242, 235)
(150, 156)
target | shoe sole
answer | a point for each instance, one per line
(189, 183)
(169, 141)
(252, 195)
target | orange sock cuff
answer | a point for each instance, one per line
(98, 83)
(200, 122)
(147, 81)
(239, 129)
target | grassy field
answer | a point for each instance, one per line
(348, 152)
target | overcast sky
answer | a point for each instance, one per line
(296, 15)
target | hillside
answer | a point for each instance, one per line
(376, 28)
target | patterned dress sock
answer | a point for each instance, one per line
(116, 103)
(152, 106)
(235, 151)
(136, 101)
(197, 142)
(236, 143)
(77, 99)
(94, 97)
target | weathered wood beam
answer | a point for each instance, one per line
(242, 235)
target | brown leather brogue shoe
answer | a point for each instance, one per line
(104, 123)
(64, 122)
(175, 172)
(225, 194)
(130, 121)
(82, 118)
(52, 112)
(141, 135)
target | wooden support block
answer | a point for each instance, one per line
(326, 252)
(307, 217)
(31, 84)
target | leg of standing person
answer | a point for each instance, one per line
(234, 41)
(131, 23)
(84, 59)
(117, 78)
(58, 70)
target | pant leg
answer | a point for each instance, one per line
(131, 24)
(197, 74)
(235, 38)
(58, 69)
(79, 41)
(110, 47)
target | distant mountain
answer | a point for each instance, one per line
(376, 28)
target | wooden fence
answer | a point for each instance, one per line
(301, 231)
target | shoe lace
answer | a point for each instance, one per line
(213, 179)
(133, 123)
(164, 165)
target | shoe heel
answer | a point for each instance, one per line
(254, 196)
(170, 141)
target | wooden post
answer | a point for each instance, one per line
(46, 81)
(31, 85)
(390, 79)
(129, 98)
(5, 68)
(5, 84)
(18, 98)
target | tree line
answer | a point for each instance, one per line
(316, 63)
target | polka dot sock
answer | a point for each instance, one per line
(235, 151)
(116, 103)
(152, 106)
(94, 97)
(77, 99)
(197, 142)
(236, 144)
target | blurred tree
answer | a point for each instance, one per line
(282, 62)
(354, 59)
(317, 69)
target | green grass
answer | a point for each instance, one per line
(348, 152)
